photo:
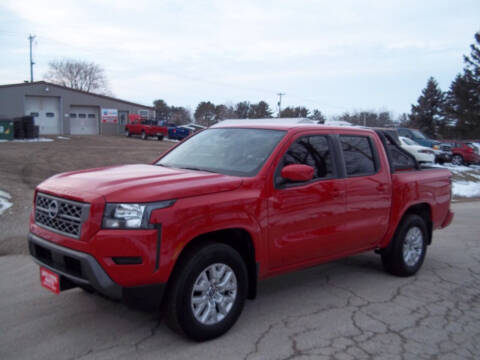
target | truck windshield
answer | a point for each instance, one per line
(418, 134)
(230, 151)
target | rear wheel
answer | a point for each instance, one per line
(406, 253)
(208, 292)
(457, 159)
(144, 136)
(160, 137)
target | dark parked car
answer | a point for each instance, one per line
(444, 153)
(418, 137)
(178, 132)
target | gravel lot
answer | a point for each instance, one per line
(349, 309)
(24, 165)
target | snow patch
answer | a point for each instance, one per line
(28, 140)
(4, 201)
(63, 138)
(454, 168)
(171, 140)
(467, 189)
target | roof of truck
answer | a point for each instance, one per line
(282, 124)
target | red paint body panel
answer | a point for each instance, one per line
(136, 127)
(466, 152)
(290, 228)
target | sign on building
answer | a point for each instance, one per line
(110, 116)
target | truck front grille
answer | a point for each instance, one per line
(60, 215)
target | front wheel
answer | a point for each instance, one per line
(457, 160)
(144, 136)
(405, 255)
(127, 133)
(208, 292)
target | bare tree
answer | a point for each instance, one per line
(79, 75)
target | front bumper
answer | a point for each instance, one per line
(443, 157)
(82, 269)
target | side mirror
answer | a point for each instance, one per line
(298, 172)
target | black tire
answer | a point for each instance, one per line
(180, 316)
(393, 258)
(160, 137)
(457, 159)
(144, 136)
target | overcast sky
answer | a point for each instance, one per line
(332, 55)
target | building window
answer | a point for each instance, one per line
(82, 116)
(73, 115)
(50, 114)
(143, 114)
(34, 114)
(91, 116)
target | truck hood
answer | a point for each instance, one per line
(137, 183)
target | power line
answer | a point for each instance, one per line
(173, 73)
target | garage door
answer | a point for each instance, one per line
(46, 113)
(83, 120)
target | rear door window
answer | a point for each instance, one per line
(358, 154)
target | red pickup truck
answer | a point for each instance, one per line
(146, 129)
(229, 206)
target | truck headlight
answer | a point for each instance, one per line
(130, 216)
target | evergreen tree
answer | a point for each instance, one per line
(463, 106)
(179, 115)
(427, 115)
(260, 111)
(294, 112)
(318, 116)
(368, 118)
(473, 61)
(463, 98)
(242, 109)
(162, 110)
(223, 112)
(205, 113)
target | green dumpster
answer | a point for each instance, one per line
(6, 129)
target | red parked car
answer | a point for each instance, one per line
(232, 205)
(145, 128)
(464, 153)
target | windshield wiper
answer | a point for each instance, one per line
(197, 169)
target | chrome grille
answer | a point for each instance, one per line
(60, 215)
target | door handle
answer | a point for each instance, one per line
(381, 187)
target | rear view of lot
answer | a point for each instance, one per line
(24, 165)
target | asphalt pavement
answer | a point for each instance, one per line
(348, 309)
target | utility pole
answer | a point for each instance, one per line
(364, 120)
(31, 38)
(280, 102)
